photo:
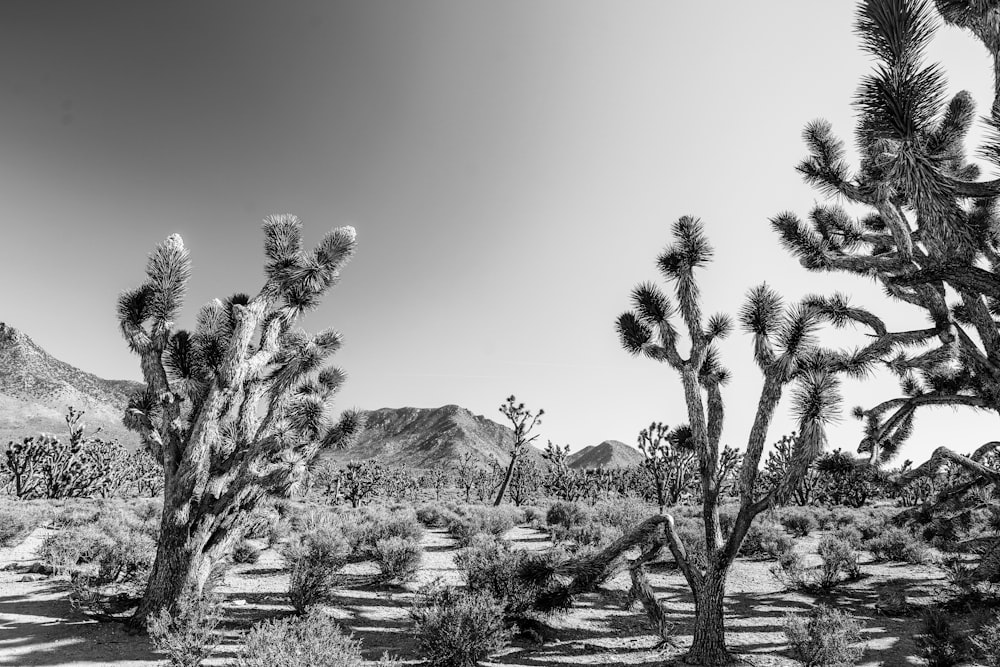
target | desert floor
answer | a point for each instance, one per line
(39, 627)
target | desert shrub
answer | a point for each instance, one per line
(826, 519)
(14, 527)
(493, 521)
(939, 643)
(799, 522)
(765, 538)
(260, 522)
(458, 629)
(435, 516)
(838, 562)
(870, 526)
(398, 559)
(534, 516)
(825, 637)
(124, 556)
(592, 535)
(623, 514)
(245, 552)
(315, 561)
(305, 641)
(188, 634)
(839, 559)
(567, 514)
(987, 642)
(64, 550)
(364, 527)
(279, 532)
(943, 533)
(74, 516)
(850, 534)
(490, 565)
(897, 544)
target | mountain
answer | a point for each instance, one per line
(608, 454)
(36, 389)
(429, 437)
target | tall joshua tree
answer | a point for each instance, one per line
(932, 236)
(524, 422)
(239, 407)
(789, 357)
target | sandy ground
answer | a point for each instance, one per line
(38, 626)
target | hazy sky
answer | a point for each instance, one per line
(512, 169)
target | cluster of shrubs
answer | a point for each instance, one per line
(189, 635)
(390, 539)
(103, 542)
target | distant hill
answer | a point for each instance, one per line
(608, 454)
(430, 437)
(36, 389)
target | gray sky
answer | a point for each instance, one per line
(512, 169)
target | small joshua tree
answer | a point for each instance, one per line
(788, 356)
(560, 480)
(523, 421)
(465, 474)
(360, 480)
(668, 459)
(236, 409)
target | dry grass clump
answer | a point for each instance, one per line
(825, 637)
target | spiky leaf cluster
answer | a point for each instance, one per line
(930, 231)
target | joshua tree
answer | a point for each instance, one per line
(931, 238)
(523, 421)
(670, 460)
(777, 463)
(360, 480)
(788, 355)
(465, 474)
(236, 409)
(562, 481)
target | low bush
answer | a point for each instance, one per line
(245, 552)
(624, 514)
(492, 521)
(592, 534)
(567, 514)
(279, 532)
(314, 564)
(14, 527)
(825, 637)
(851, 534)
(435, 516)
(398, 559)
(534, 516)
(799, 522)
(897, 544)
(305, 641)
(364, 527)
(127, 556)
(987, 642)
(765, 538)
(939, 643)
(260, 522)
(458, 629)
(187, 635)
(64, 550)
(839, 562)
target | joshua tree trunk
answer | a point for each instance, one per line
(506, 480)
(709, 646)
